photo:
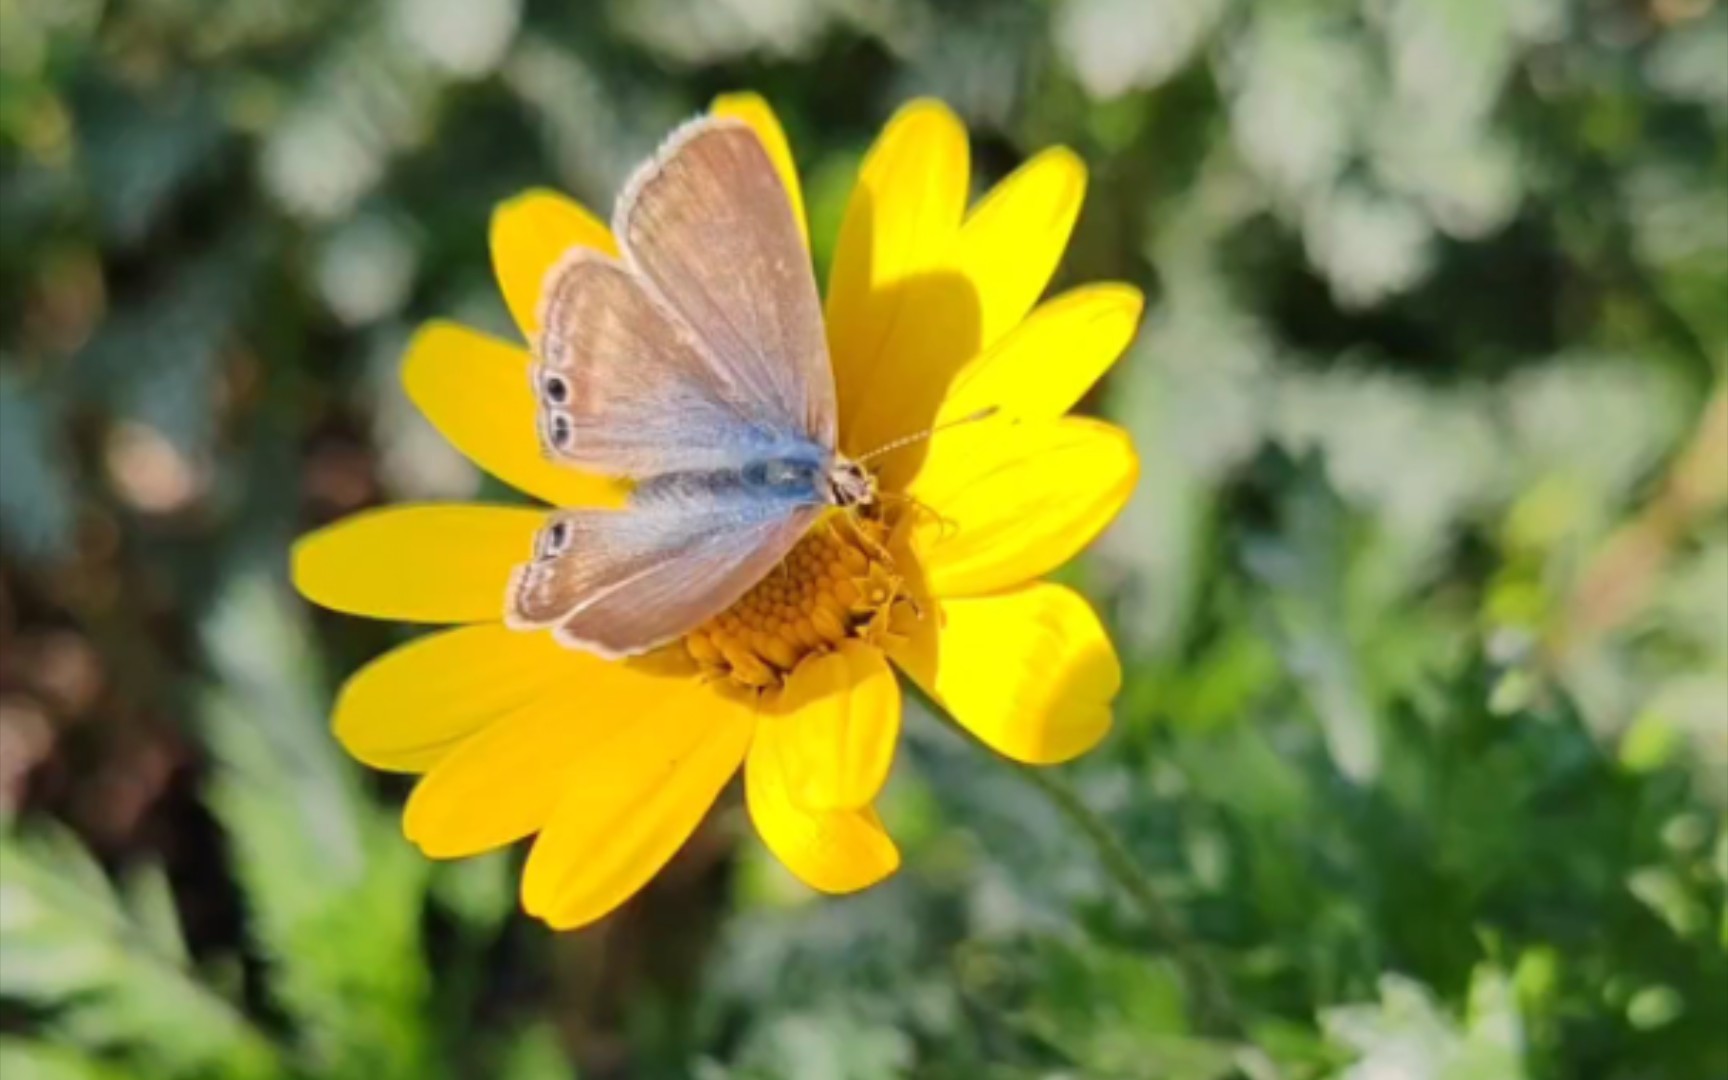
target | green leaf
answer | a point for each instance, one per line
(334, 892)
(36, 497)
(70, 948)
(44, 1061)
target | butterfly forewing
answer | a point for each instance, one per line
(710, 226)
(624, 387)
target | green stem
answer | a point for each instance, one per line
(1213, 1009)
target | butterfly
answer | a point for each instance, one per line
(694, 365)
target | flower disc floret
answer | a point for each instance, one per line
(840, 583)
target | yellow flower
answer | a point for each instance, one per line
(930, 314)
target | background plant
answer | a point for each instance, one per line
(1423, 601)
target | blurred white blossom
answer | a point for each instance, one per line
(1115, 46)
(366, 268)
(464, 38)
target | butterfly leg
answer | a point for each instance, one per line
(947, 524)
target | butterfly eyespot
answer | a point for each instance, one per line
(554, 540)
(560, 431)
(556, 389)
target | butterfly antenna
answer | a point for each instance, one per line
(920, 436)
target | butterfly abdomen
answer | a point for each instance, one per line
(772, 484)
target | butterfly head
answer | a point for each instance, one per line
(849, 483)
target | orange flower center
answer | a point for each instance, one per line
(838, 583)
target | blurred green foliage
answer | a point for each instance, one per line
(1423, 600)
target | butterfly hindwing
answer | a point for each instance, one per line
(620, 582)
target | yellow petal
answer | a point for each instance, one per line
(412, 706)
(444, 563)
(1011, 501)
(1031, 672)
(506, 781)
(474, 389)
(1042, 367)
(835, 851)
(630, 803)
(530, 233)
(899, 226)
(1012, 241)
(753, 110)
(1001, 262)
(835, 726)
